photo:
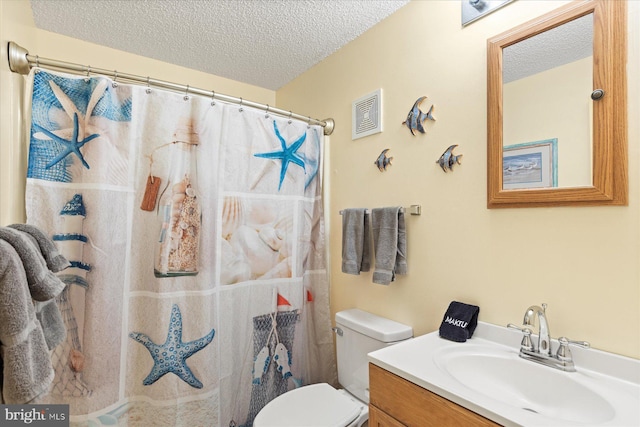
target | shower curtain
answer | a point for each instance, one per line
(202, 349)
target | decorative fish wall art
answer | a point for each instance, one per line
(448, 159)
(416, 116)
(383, 161)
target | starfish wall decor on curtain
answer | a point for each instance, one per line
(122, 178)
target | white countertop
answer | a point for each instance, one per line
(416, 360)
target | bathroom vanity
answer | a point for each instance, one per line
(396, 402)
(430, 381)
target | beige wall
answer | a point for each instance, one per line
(583, 262)
(17, 25)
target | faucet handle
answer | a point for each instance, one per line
(526, 343)
(563, 351)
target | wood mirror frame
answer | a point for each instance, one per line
(609, 175)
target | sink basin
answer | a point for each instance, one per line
(526, 385)
(486, 375)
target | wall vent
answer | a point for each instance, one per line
(366, 115)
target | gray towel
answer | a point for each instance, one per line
(47, 312)
(50, 318)
(26, 364)
(43, 284)
(55, 261)
(390, 244)
(356, 241)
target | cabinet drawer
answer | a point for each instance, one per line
(377, 418)
(413, 405)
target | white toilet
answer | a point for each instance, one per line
(321, 405)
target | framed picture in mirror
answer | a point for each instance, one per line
(530, 165)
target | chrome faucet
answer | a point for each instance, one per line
(544, 338)
(563, 359)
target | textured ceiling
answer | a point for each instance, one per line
(561, 45)
(266, 43)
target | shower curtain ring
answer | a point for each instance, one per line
(241, 109)
(290, 114)
(37, 64)
(115, 78)
(213, 97)
(148, 90)
(186, 94)
(86, 79)
(309, 122)
(266, 116)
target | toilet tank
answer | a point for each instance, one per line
(359, 333)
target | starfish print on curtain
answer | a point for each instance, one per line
(70, 146)
(173, 354)
(286, 155)
(66, 114)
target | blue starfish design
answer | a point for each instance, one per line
(71, 146)
(287, 154)
(173, 354)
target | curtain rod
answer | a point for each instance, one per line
(20, 61)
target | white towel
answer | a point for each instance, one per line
(390, 244)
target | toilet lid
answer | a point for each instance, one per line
(317, 405)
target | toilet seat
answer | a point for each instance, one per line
(317, 405)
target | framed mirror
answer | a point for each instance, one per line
(557, 109)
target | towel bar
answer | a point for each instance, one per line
(413, 210)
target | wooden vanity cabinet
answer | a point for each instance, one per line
(396, 402)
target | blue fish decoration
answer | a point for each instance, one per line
(448, 159)
(383, 161)
(416, 116)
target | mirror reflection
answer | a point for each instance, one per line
(547, 108)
